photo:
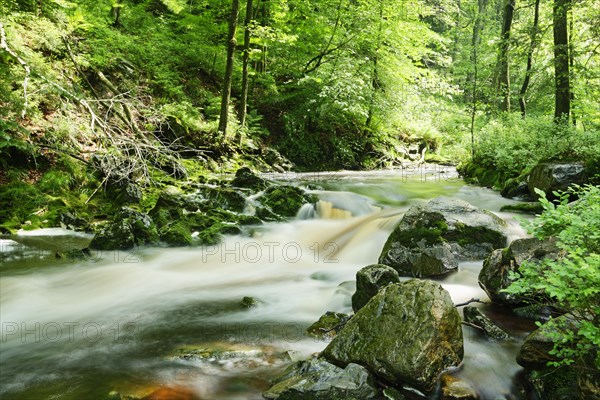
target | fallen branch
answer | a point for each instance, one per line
(466, 303)
(4, 45)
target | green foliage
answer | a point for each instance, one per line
(572, 282)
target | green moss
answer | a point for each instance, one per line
(176, 234)
(526, 208)
(214, 234)
(465, 235)
(286, 200)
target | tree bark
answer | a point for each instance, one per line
(231, 44)
(562, 105)
(503, 64)
(246, 58)
(472, 78)
(532, 46)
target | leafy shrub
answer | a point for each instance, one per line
(573, 281)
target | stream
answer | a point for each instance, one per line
(81, 329)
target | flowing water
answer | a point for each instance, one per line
(78, 330)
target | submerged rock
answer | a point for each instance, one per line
(494, 275)
(317, 379)
(431, 239)
(369, 280)
(408, 333)
(475, 317)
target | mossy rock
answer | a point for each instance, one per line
(285, 200)
(525, 208)
(176, 234)
(408, 333)
(328, 325)
(245, 178)
(127, 229)
(214, 234)
(222, 197)
(369, 280)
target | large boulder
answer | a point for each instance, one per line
(408, 333)
(550, 177)
(127, 229)
(431, 239)
(494, 276)
(316, 379)
(369, 280)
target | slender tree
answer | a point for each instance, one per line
(503, 64)
(245, 62)
(231, 45)
(532, 46)
(472, 79)
(562, 81)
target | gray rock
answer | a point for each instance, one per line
(408, 333)
(494, 275)
(475, 317)
(316, 379)
(368, 282)
(431, 239)
(328, 325)
(550, 177)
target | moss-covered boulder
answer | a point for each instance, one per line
(453, 388)
(431, 239)
(214, 234)
(551, 177)
(127, 229)
(316, 379)
(369, 280)
(285, 200)
(494, 275)
(245, 178)
(328, 325)
(407, 334)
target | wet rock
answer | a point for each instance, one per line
(128, 228)
(277, 161)
(515, 188)
(222, 197)
(75, 254)
(214, 234)
(454, 388)
(245, 178)
(369, 280)
(535, 352)
(555, 384)
(475, 317)
(328, 325)
(74, 222)
(285, 200)
(550, 177)
(176, 234)
(317, 379)
(408, 333)
(431, 238)
(494, 276)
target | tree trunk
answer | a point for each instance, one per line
(561, 60)
(571, 62)
(375, 84)
(503, 64)
(246, 58)
(532, 46)
(231, 44)
(472, 78)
